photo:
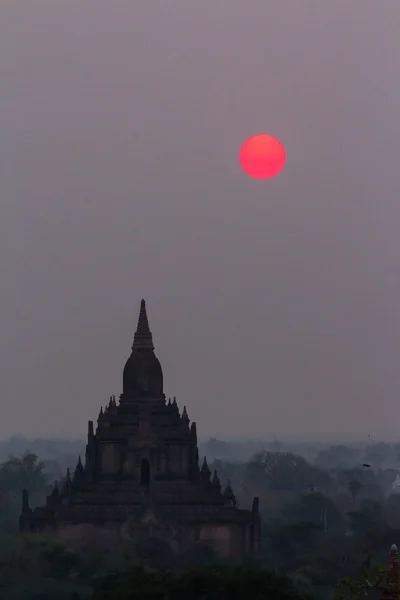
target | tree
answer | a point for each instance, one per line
(392, 510)
(16, 474)
(367, 518)
(337, 456)
(222, 582)
(378, 453)
(344, 476)
(26, 472)
(285, 472)
(354, 487)
(314, 509)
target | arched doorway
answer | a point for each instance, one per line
(145, 473)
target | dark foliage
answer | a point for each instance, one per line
(219, 583)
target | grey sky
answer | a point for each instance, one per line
(274, 306)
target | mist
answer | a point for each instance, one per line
(274, 305)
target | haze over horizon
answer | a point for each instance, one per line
(274, 306)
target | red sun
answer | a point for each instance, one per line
(262, 156)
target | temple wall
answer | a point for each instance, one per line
(222, 538)
(227, 540)
(109, 458)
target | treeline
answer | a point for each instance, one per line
(324, 519)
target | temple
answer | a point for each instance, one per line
(141, 474)
(391, 584)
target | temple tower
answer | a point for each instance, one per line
(140, 474)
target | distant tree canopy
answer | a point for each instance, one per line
(222, 583)
(314, 508)
(367, 518)
(364, 476)
(337, 456)
(285, 471)
(25, 472)
(16, 474)
(378, 453)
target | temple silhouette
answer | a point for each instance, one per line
(141, 476)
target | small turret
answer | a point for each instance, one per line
(229, 496)
(215, 481)
(185, 419)
(55, 494)
(67, 483)
(78, 472)
(112, 407)
(205, 472)
(90, 431)
(105, 415)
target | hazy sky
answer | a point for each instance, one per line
(274, 306)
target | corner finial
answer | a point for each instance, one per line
(215, 481)
(229, 496)
(205, 471)
(79, 466)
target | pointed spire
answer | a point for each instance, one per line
(392, 584)
(205, 471)
(111, 405)
(185, 418)
(193, 430)
(215, 480)
(90, 430)
(229, 496)
(78, 472)
(67, 483)
(143, 338)
(195, 470)
(79, 466)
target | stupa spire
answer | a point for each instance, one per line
(392, 583)
(143, 338)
